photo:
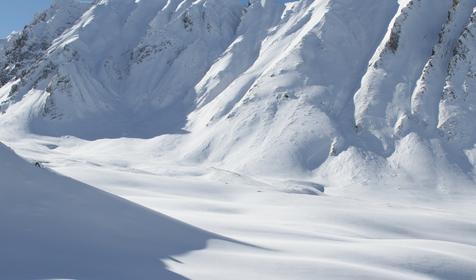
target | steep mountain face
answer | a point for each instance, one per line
(127, 59)
(288, 106)
(456, 110)
(22, 51)
(337, 89)
(3, 42)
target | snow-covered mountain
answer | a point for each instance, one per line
(345, 91)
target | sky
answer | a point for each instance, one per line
(14, 14)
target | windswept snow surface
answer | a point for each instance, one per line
(335, 137)
(295, 230)
(57, 228)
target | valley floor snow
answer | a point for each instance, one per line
(55, 227)
(293, 230)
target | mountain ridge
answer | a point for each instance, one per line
(333, 89)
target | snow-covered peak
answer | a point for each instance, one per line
(23, 49)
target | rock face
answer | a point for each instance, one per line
(333, 88)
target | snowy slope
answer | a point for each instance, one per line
(54, 227)
(24, 49)
(456, 108)
(145, 68)
(297, 230)
(307, 85)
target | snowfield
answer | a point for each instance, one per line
(283, 228)
(55, 227)
(317, 139)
